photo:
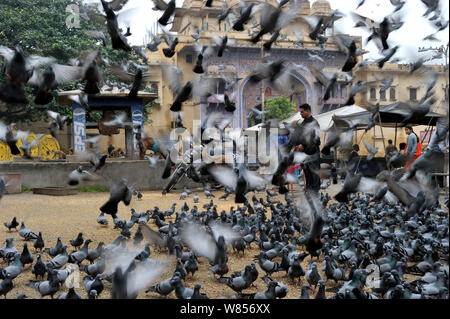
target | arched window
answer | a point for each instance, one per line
(373, 94)
(268, 92)
(382, 94)
(392, 94)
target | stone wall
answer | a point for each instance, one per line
(55, 174)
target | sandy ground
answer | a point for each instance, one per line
(68, 215)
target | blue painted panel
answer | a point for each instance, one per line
(79, 128)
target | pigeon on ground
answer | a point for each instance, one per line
(12, 224)
(39, 268)
(26, 233)
(71, 294)
(49, 287)
(54, 251)
(78, 241)
(26, 257)
(6, 286)
(101, 219)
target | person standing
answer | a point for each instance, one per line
(307, 137)
(390, 149)
(413, 146)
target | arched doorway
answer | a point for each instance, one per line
(250, 95)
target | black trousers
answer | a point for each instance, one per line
(312, 179)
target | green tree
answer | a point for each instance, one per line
(39, 27)
(279, 108)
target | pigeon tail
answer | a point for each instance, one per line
(199, 69)
(73, 182)
(43, 97)
(350, 101)
(341, 197)
(176, 106)
(91, 88)
(168, 52)
(109, 208)
(13, 93)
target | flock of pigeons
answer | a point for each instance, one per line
(367, 248)
(380, 231)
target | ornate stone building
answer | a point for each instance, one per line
(243, 57)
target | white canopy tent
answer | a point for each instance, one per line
(325, 120)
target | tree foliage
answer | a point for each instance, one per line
(39, 27)
(279, 107)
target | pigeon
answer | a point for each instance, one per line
(134, 79)
(7, 135)
(171, 43)
(78, 175)
(163, 288)
(191, 265)
(12, 224)
(152, 160)
(59, 260)
(8, 251)
(268, 266)
(25, 233)
(47, 288)
(26, 257)
(247, 11)
(327, 82)
(39, 268)
(101, 219)
(196, 198)
(371, 149)
(312, 275)
(78, 241)
(13, 270)
(26, 146)
(71, 294)
(6, 286)
(168, 11)
(388, 55)
(54, 251)
(93, 254)
(194, 88)
(222, 44)
(93, 284)
(117, 193)
(118, 40)
(18, 69)
(241, 181)
(239, 282)
(197, 294)
(96, 268)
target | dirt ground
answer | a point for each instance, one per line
(66, 216)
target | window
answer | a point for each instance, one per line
(225, 27)
(382, 94)
(413, 94)
(206, 26)
(373, 94)
(392, 94)
(188, 58)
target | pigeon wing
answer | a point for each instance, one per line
(199, 241)
(225, 176)
(219, 229)
(152, 237)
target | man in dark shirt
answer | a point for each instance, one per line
(307, 139)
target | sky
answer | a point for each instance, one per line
(408, 37)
